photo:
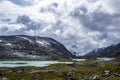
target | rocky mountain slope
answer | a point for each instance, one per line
(30, 47)
(110, 51)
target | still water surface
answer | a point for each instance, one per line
(30, 63)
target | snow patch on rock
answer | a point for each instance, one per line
(27, 39)
(0, 40)
(43, 43)
(8, 44)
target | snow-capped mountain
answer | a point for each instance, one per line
(32, 47)
(110, 51)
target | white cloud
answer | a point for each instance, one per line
(91, 29)
(111, 6)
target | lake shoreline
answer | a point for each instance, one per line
(79, 70)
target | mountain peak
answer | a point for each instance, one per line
(110, 51)
(32, 47)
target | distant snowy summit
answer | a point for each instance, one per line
(112, 51)
(22, 47)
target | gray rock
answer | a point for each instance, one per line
(4, 78)
(70, 74)
(2, 73)
(116, 75)
(85, 78)
(107, 73)
(95, 78)
(18, 70)
(72, 78)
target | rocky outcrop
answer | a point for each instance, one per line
(22, 47)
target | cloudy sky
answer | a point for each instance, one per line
(81, 25)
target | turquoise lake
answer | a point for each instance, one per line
(30, 63)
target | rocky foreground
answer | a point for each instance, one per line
(86, 70)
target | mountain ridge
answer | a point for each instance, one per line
(110, 51)
(32, 47)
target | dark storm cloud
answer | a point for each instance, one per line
(50, 9)
(23, 19)
(115, 4)
(3, 29)
(29, 24)
(97, 20)
(55, 5)
(6, 20)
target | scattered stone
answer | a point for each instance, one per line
(2, 73)
(4, 78)
(18, 70)
(85, 78)
(107, 73)
(72, 78)
(95, 78)
(70, 74)
(116, 75)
